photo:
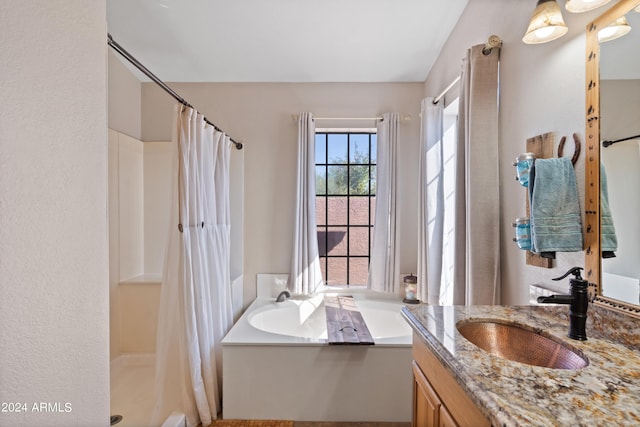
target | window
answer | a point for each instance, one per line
(345, 204)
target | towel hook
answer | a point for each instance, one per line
(576, 151)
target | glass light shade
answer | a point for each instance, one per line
(619, 28)
(578, 6)
(637, 9)
(546, 24)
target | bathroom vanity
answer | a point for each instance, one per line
(456, 383)
(553, 380)
(436, 395)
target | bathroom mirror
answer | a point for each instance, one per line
(612, 113)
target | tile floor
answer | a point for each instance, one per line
(359, 424)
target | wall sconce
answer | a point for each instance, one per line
(546, 24)
(579, 6)
(617, 29)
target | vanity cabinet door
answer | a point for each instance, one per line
(438, 400)
(426, 405)
(446, 420)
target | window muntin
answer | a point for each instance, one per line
(345, 204)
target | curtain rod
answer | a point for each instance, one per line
(493, 42)
(447, 89)
(126, 55)
(608, 143)
(403, 118)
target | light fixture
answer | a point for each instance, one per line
(546, 24)
(637, 9)
(578, 6)
(618, 28)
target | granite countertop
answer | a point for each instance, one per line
(606, 392)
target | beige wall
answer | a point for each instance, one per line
(114, 244)
(54, 331)
(124, 109)
(126, 224)
(541, 90)
(157, 189)
(124, 98)
(139, 302)
(260, 116)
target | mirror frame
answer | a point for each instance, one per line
(592, 161)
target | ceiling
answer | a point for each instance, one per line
(284, 40)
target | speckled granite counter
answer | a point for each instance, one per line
(605, 393)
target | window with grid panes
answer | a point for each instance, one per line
(345, 204)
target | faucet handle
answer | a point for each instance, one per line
(575, 271)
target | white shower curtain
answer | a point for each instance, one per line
(431, 203)
(477, 228)
(384, 262)
(305, 276)
(195, 305)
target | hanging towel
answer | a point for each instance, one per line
(555, 221)
(609, 240)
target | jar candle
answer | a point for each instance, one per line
(410, 289)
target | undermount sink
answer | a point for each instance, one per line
(518, 343)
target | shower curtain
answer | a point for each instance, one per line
(384, 264)
(195, 303)
(305, 276)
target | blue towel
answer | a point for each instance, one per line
(556, 223)
(609, 240)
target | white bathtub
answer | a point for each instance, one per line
(277, 364)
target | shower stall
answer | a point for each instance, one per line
(139, 205)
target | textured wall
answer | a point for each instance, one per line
(53, 213)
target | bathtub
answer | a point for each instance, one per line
(277, 363)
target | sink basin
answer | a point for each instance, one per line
(522, 344)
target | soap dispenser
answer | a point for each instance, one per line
(578, 300)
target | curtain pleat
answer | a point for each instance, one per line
(305, 276)
(384, 262)
(195, 302)
(477, 225)
(431, 203)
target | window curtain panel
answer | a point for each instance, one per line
(195, 301)
(431, 203)
(305, 276)
(384, 261)
(477, 197)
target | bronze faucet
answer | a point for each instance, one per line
(578, 300)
